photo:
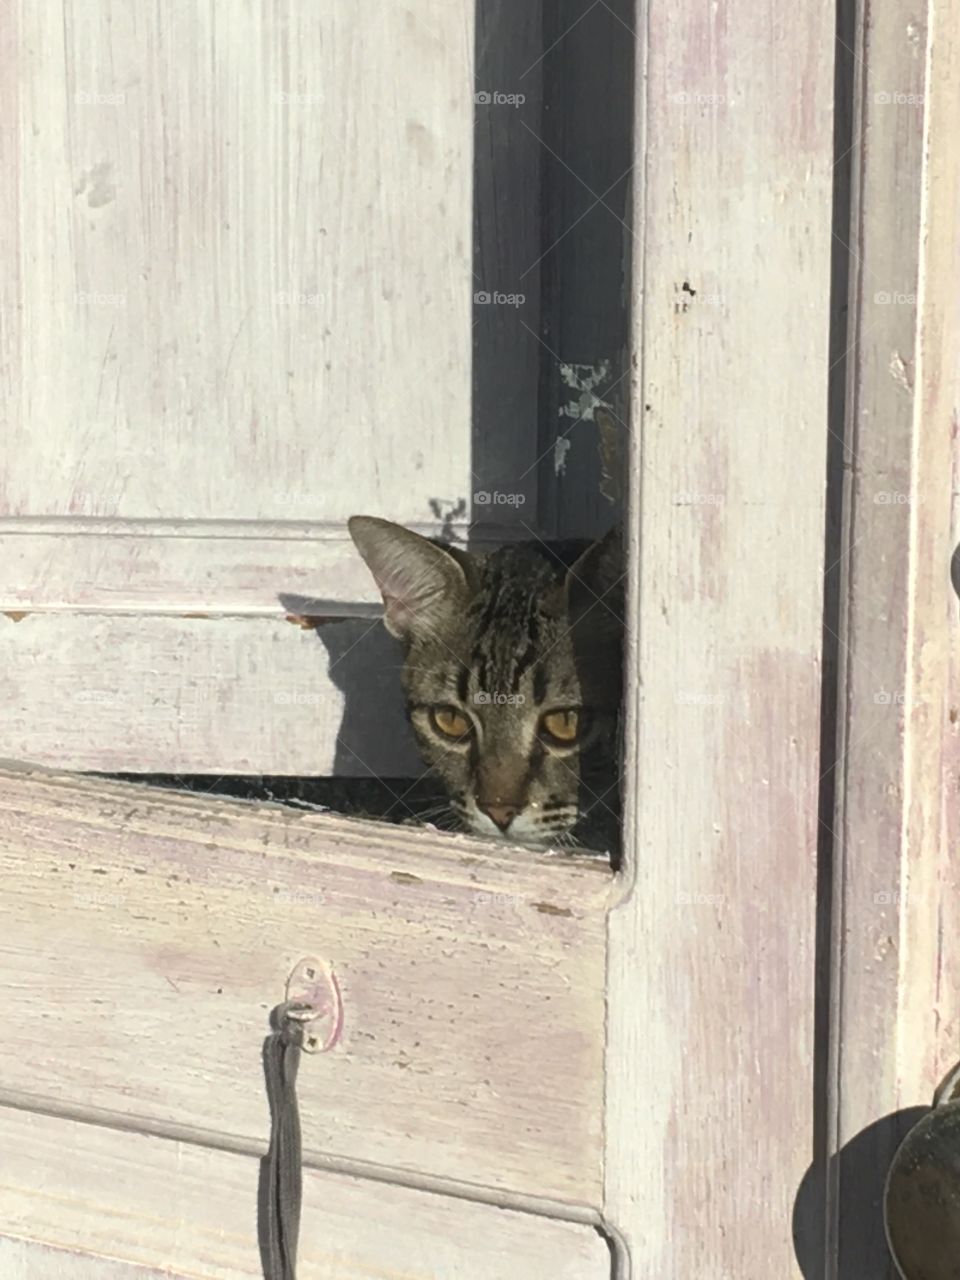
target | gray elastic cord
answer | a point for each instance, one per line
(281, 1178)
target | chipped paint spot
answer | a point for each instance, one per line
(98, 185)
(15, 615)
(548, 909)
(584, 379)
(405, 877)
(447, 511)
(561, 448)
(902, 374)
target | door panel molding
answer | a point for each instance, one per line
(72, 1190)
(472, 979)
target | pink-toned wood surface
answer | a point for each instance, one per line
(711, 980)
(896, 965)
(157, 931)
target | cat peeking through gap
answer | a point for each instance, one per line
(512, 675)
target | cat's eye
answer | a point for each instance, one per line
(450, 722)
(562, 726)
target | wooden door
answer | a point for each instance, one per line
(266, 266)
(544, 1066)
(452, 1132)
(237, 303)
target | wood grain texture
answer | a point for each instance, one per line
(895, 1007)
(236, 300)
(242, 286)
(81, 1202)
(711, 980)
(33, 1260)
(472, 980)
(203, 695)
(152, 566)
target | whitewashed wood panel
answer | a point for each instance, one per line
(144, 567)
(237, 298)
(242, 286)
(80, 1202)
(896, 963)
(31, 1260)
(711, 980)
(472, 980)
(203, 695)
(212, 566)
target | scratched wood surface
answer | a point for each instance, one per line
(711, 979)
(80, 1201)
(164, 927)
(896, 966)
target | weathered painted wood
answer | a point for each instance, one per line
(203, 695)
(236, 302)
(219, 567)
(81, 1202)
(154, 566)
(896, 965)
(238, 275)
(164, 926)
(711, 978)
(32, 1260)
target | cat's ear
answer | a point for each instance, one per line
(595, 581)
(420, 583)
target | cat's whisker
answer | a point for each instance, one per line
(441, 822)
(432, 815)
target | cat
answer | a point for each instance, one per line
(512, 676)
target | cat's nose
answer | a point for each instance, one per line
(502, 814)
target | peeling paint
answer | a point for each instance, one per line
(561, 448)
(98, 184)
(902, 374)
(584, 379)
(447, 511)
(405, 877)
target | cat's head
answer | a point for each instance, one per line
(512, 674)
